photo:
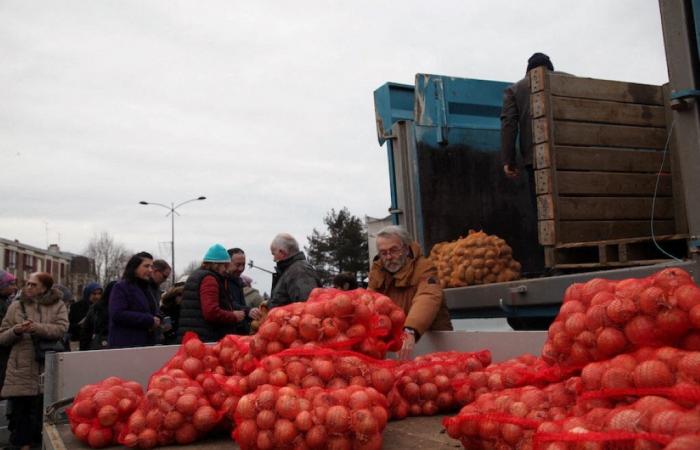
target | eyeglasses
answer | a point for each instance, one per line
(393, 251)
(30, 284)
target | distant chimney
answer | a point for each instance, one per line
(54, 248)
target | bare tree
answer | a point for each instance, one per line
(110, 257)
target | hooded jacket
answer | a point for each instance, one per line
(50, 316)
(79, 310)
(293, 281)
(416, 289)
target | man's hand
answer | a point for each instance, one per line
(511, 171)
(240, 315)
(255, 313)
(156, 321)
(409, 341)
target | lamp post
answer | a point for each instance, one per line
(172, 213)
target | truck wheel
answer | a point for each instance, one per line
(530, 323)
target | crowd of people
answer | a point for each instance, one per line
(214, 300)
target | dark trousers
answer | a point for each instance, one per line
(24, 419)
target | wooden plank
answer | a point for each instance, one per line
(659, 238)
(546, 233)
(609, 159)
(617, 91)
(543, 182)
(612, 183)
(538, 79)
(648, 262)
(545, 207)
(550, 257)
(584, 110)
(538, 104)
(596, 230)
(540, 130)
(543, 155)
(577, 133)
(609, 208)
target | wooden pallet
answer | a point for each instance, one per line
(615, 253)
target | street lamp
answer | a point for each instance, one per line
(172, 213)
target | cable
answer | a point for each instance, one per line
(656, 189)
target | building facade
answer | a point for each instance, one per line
(68, 269)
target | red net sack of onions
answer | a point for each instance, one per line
(603, 318)
(508, 418)
(322, 367)
(174, 410)
(523, 370)
(315, 418)
(359, 320)
(643, 371)
(230, 356)
(651, 422)
(99, 411)
(424, 386)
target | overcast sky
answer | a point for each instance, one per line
(264, 107)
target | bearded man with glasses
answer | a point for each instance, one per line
(402, 273)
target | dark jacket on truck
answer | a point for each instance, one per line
(293, 281)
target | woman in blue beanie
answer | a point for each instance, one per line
(207, 308)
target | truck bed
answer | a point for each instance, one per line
(419, 433)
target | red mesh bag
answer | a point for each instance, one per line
(508, 418)
(650, 422)
(174, 410)
(99, 411)
(321, 367)
(644, 372)
(288, 417)
(230, 356)
(523, 370)
(425, 386)
(359, 320)
(603, 318)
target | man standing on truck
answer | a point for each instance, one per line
(402, 273)
(516, 121)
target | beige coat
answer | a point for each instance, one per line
(416, 289)
(23, 370)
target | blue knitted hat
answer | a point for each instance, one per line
(217, 254)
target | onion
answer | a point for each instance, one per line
(316, 437)
(269, 330)
(689, 366)
(672, 323)
(337, 419)
(287, 406)
(382, 380)
(652, 374)
(575, 324)
(641, 330)
(611, 341)
(621, 310)
(363, 422)
(625, 420)
(285, 432)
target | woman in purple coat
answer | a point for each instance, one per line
(133, 312)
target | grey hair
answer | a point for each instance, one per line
(396, 231)
(286, 242)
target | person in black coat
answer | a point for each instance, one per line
(78, 312)
(96, 326)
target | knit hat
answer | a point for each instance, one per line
(537, 60)
(217, 254)
(6, 279)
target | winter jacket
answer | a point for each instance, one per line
(293, 281)
(234, 286)
(199, 299)
(416, 289)
(78, 311)
(131, 314)
(50, 316)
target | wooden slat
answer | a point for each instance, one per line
(538, 79)
(581, 231)
(543, 182)
(545, 207)
(546, 232)
(611, 183)
(609, 208)
(542, 155)
(577, 133)
(538, 104)
(540, 130)
(659, 238)
(607, 159)
(617, 91)
(584, 110)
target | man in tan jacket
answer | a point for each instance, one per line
(403, 274)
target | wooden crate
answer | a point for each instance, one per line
(598, 154)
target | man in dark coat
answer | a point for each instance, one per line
(235, 285)
(295, 278)
(78, 311)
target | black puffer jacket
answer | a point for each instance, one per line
(191, 316)
(294, 281)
